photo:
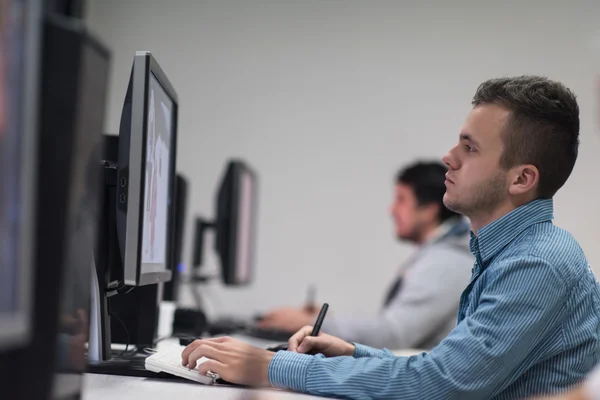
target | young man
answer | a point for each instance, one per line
(420, 307)
(529, 320)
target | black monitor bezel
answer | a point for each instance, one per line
(144, 66)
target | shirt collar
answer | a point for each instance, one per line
(497, 234)
(455, 226)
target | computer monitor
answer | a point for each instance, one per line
(20, 28)
(71, 67)
(235, 225)
(72, 87)
(146, 173)
(135, 246)
(171, 289)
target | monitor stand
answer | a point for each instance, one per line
(107, 281)
(104, 262)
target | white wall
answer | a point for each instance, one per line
(327, 99)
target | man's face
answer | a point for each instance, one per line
(409, 217)
(476, 184)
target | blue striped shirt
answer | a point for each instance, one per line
(528, 324)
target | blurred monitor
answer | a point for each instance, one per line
(74, 83)
(50, 145)
(20, 28)
(235, 225)
(71, 93)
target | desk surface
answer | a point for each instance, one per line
(102, 387)
(113, 387)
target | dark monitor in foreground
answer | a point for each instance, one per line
(73, 74)
(235, 225)
(20, 29)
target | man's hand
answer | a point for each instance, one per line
(328, 345)
(234, 361)
(76, 358)
(287, 319)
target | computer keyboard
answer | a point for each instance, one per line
(169, 360)
(276, 335)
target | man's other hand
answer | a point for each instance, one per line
(328, 345)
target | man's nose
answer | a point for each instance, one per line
(450, 160)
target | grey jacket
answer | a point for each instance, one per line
(424, 309)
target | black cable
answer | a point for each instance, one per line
(132, 352)
(128, 290)
(119, 290)
(126, 333)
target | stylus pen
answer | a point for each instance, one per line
(320, 318)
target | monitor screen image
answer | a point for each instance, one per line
(154, 238)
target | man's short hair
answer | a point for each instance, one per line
(426, 179)
(543, 129)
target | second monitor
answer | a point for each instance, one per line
(135, 245)
(146, 170)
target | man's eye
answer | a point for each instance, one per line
(469, 148)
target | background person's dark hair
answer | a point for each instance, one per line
(427, 182)
(543, 129)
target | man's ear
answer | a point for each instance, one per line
(432, 210)
(523, 179)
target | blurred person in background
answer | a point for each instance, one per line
(420, 306)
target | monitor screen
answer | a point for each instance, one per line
(246, 225)
(11, 90)
(16, 163)
(157, 180)
(236, 222)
